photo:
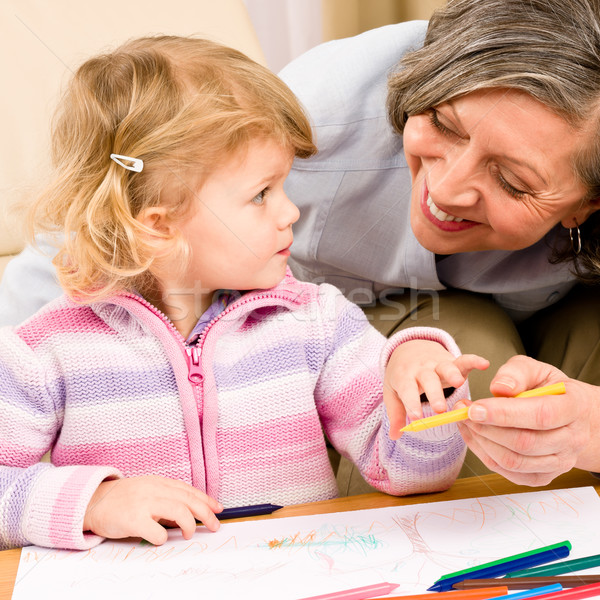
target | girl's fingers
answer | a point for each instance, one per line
(450, 374)
(408, 396)
(432, 387)
(208, 518)
(395, 411)
(152, 532)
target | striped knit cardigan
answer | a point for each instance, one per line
(112, 390)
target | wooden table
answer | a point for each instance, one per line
(469, 487)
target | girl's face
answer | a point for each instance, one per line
(492, 170)
(240, 229)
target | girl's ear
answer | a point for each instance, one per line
(157, 219)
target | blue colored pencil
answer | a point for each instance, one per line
(538, 591)
(502, 568)
(254, 510)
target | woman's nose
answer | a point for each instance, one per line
(453, 178)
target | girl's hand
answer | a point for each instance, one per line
(422, 367)
(530, 441)
(135, 507)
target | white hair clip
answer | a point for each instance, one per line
(137, 166)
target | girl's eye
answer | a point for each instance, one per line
(259, 199)
(433, 117)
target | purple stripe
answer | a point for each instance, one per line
(101, 386)
(91, 388)
(32, 398)
(271, 362)
(350, 325)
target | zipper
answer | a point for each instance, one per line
(195, 374)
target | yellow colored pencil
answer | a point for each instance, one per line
(460, 414)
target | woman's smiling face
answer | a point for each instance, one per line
(492, 170)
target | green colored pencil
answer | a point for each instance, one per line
(557, 568)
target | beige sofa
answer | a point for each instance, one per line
(40, 45)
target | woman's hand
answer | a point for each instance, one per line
(533, 440)
(135, 507)
(422, 366)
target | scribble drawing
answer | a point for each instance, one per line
(329, 539)
(421, 552)
(569, 502)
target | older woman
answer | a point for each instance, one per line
(457, 184)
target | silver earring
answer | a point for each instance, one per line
(575, 239)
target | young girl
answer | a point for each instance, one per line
(185, 369)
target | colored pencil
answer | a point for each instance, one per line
(461, 414)
(240, 512)
(576, 593)
(254, 510)
(523, 583)
(495, 569)
(367, 591)
(474, 594)
(566, 566)
(502, 561)
(533, 592)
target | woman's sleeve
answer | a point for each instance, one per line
(39, 503)
(28, 282)
(349, 396)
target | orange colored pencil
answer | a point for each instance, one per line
(475, 594)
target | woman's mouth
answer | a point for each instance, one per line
(439, 214)
(441, 219)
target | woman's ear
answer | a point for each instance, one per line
(582, 214)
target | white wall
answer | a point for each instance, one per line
(286, 28)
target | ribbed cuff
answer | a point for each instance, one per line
(432, 334)
(55, 511)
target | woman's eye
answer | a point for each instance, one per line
(259, 199)
(509, 189)
(433, 117)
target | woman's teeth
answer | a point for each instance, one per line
(439, 214)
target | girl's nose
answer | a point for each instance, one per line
(290, 213)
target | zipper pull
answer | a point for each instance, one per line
(193, 359)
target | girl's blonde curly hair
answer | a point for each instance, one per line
(179, 104)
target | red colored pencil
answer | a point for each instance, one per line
(474, 594)
(576, 593)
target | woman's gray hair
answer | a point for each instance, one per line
(549, 49)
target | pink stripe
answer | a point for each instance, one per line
(295, 439)
(56, 525)
(343, 400)
(68, 320)
(294, 430)
(17, 455)
(168, 456)
(286, 459)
